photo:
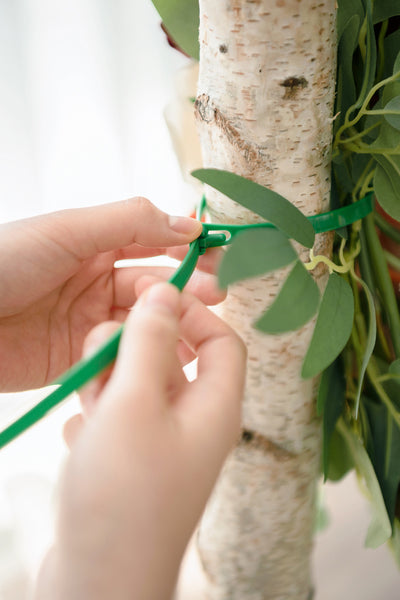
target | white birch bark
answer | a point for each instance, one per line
(264, 111)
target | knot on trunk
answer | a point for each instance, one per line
(207, 113)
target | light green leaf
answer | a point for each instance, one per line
(294, 305)
(393, 114)
(270, 205)
(333, 326)
(330, 403)
(253, 253)
(387, 185)
(370, 345)
(380, 529)
(394, 542)
(181, 19)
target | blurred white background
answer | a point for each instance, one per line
(83, 87)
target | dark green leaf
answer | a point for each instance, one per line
(347, 9)
(370, 345)
(391, 50)
(333, 326)
(340, 460)
(181, 19)
(294, 305)
(346, 89)
(343, 176)
(370, 56)
(253, 253)
(393, 116)
(387, 185)
(330, 403)
(380, 528)
(384, 451)
(384, 9)
(270, 205)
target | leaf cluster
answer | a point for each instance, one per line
(359, 395)
(255, 253)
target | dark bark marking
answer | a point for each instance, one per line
(292, 86)
(257, 441)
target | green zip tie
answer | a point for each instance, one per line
(88, 368)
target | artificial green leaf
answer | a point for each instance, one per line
(391, 51)
(321, 519)
(384, 9)
(347, 9)
(336, 203)
(394, 542)
(253, 253)
(370, 56)
(340, 460)
(270, 205)
(346, 89)
(396, 66)
(343, 176)
(333, 326)
(181, 19)
(330, 403)
(384, 451)
(387, 185)
(295, 304)
(393, 114)
(394, 367)
(370, 344)
(380, 528)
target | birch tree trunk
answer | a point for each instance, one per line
(264, 111)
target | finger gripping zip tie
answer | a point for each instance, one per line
(88, 368)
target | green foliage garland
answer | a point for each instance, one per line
(356, 342)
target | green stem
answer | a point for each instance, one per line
(383, 280)
(362, 148)
(361, 134)
(365, 176)
(350, 123)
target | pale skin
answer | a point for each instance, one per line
(149, 445)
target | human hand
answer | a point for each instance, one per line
(144, 463)
(57, 281)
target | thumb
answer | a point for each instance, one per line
(147, 358)
(121, 224)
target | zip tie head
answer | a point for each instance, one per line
(210, 240)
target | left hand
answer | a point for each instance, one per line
(58, 280)
(146, 459)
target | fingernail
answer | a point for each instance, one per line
(162, 295)
(185, 225)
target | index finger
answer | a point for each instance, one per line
(215, 396)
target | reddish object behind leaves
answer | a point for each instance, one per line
(391, 246)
